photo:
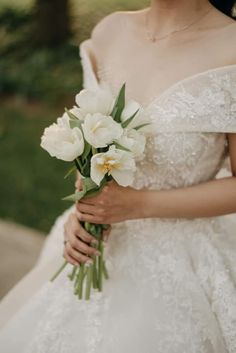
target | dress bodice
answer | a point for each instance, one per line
(190, 120)
(179, 159)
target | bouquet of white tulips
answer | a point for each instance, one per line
(103, 136)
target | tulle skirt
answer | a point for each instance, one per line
(171, 289)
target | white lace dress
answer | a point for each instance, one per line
(172, 281)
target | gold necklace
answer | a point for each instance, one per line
(154, 38)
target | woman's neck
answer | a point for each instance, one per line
(166, 15)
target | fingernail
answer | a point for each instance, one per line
(89, 262)
(97, 253)
(94, 241)
(105, 238)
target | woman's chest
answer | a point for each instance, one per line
(149, 71)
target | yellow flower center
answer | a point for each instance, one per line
(109, 164)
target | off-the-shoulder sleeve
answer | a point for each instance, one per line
(202, 103)
(90, 80)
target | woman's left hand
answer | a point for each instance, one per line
(113, 204)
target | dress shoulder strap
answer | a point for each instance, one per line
(90, 80)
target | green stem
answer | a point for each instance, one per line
(76, 283)
(79, 163)
(94, 150)
(80, 281)
(85, 271)
(89, 282)
(100, 260)
(105, 272)
(72, 274)
(95, 276)
(59, 271)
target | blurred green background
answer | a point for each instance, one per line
(40, 73)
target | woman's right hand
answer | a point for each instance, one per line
(78, 242)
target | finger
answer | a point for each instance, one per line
(77, 255)
(89, 218)
(70, 223)
(70, 259)
(78, 245)
(74, 229)
(93, 200)
(69, 227)
(88, 201)
(85, 208)
(85, 236)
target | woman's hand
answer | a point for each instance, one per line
(78, 242)
(113, 204)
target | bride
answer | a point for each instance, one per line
(171, 251)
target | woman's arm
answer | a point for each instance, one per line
(116, 203)
(213, 198)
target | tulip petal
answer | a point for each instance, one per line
(96, 172)
(123, 177)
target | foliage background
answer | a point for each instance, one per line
(36, 83)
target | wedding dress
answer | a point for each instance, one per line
(172, 281)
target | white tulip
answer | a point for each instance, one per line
(100, 100)
(140, 118)
(130, 108)
(100, 130)
(77, 112)
(134, 141)
(117, 163)
(64, 121)
(62, 142)
(65, 117)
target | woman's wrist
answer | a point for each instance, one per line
(141, 206)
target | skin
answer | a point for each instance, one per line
(115, 203)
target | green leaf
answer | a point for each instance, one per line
(128, 121)
(141, 126)
(71, 170)
(89, 184)
(119, 105)
(92, 193)
(114, 111)
(71, 115)
(120, 147)
(89, 189)
(87, 149)
(76, 196)
(75, 123)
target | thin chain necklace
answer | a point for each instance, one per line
(154, 38)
